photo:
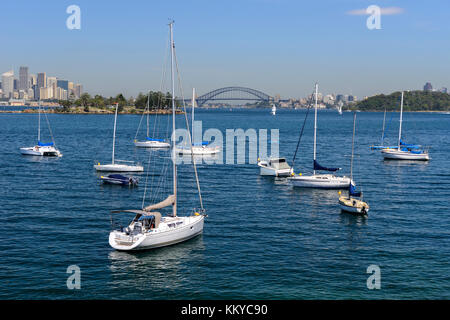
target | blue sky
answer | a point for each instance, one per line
(277, 46)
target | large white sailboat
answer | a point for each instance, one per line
(149, 229)
(324, 181)
(197, 148)
(118, 165)
(41, 149)
(404, 151)
(149, 142)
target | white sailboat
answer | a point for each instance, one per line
(118, 165)
(149, 229)
(351, 203)
(325, 181)
(149, 142)
(404, 151)
(197, 148)
(41, 149)
(274, 109)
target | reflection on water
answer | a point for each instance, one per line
(405, 163)
(161, 268)
(40, 158)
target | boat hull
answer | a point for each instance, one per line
(118, 168)
(394, 154)
(198, 150)
(151, 144)
(354, 206)
(192, 227)
(41, 151)
(320, 182)
(268, 171)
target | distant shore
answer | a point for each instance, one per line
(92, 110)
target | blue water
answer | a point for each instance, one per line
(262, 238)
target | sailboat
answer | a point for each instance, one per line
(41, 149)
(150, 142)
(149, 229)
(404, 151)
(197, 148)
(274, 109)
(351, 204)
(121, 166)
(382, 145)
(325, 181)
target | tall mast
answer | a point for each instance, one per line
(193, 107)
(315, 124)
(39, 122)
(401, 118)
(382, 133)
(353, 144)
(114, 136)
(148, 112)
(174, 154)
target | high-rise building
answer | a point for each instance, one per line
(32, 80)
(64, 84)
(428, 87)
(23, 78)
(8, 83)
(78, 90)
(41, 80)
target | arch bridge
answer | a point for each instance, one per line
(233, 93)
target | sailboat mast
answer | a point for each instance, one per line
(193, 107)
(315, 124)
(400, 127)
(353, 146)
(114, 136)
(39, 122)
(382, 132)
(174, 155)
(148, 113)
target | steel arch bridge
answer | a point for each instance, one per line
(229, 93)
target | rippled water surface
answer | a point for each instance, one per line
(262, 238)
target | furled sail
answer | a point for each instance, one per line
(152, 139)
(45, 144)
(352, 191)
(317, 166)
(408, 145)
(170, 200)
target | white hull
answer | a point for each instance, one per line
(41, 151)
(396, 154)
(197, 150)
(151, 144)
(118, 168)
(323, 181)
(352, 205)
(163, 236)
(268, 171)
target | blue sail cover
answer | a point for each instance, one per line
(352, 191)
(40, 144)
(317, 166)
(118, 177)
(407, 145)
(152, 139)
(203, 143)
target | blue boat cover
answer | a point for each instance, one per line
(45, 144)
(352, 191)
(152, 139)
(118, 176)
(317, 166)
(203, 143)
(407, 145)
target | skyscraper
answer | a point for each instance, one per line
(428, 87)
(64, 84)
(41, 80)
(8, 83)
(23, 78)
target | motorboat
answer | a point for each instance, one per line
(119, 180)
(277, 167)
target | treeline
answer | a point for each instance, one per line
(158, 100)
(412, 101)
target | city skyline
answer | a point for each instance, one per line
(278, 47)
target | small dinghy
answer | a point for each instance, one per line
(119, 179)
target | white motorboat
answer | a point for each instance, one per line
(149, 229)
(122, 166)
(274, 109)
(404, 151)
(351, 204)
(41, 149)
(149, 142)
(197, 148)
(323, 181)
(277, 167)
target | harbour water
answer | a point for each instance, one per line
(262, 238)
